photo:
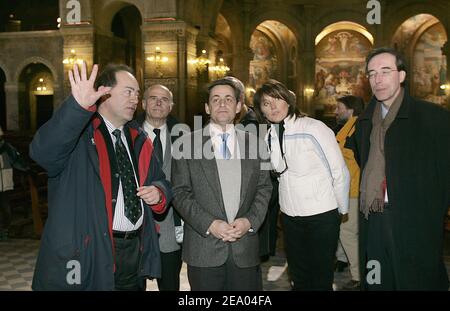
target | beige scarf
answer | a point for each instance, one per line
(373, 180)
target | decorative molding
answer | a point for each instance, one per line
(17, 35)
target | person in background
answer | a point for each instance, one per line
(10, 159)
(347, 111)
(157, 104)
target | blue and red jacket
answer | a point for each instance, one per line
(72, 149)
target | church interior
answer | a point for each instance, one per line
(317, 48)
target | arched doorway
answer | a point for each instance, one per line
(127, 40)
(35, 96)
(341, 50)
(274, 48)
(420, 39)
(2, 100)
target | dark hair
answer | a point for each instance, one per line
(108, 75)
(237, 91)
(275, 89)
(353, 102)
(399, 60)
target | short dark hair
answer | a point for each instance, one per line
(275, 89)
(399, 60)
(107, 77)
(237, 91)
(353, 102)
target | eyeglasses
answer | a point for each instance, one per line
(383, 73)
(162, 100)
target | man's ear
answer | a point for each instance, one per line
(402, 76)
(238, 107)
(207, 109)
(144, 104)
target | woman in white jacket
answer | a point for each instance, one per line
(314, 185)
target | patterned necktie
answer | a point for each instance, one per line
(133, 209)
(158, 145)
(225, 151)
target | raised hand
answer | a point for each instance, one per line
(83, 88)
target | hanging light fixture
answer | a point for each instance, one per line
(158, 59)
(41, 86)
(220, 69)
(201, 62)
(72, 59)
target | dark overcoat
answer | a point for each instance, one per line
(417, 157)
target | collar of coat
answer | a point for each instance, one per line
(403, 112)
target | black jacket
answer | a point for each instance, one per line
(417, 153)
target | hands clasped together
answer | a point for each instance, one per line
(229, 232)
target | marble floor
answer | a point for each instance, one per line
(18, 256)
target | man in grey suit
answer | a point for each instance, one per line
(157, 104)
(221, 190)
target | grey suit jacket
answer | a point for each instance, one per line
(198, 199)
(167, 241)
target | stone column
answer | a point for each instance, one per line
(176, 41)
(12, 105)
(307, 59)
(81, 39)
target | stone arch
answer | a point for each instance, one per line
(5, 70)
(111, 8)
(330, 18)
(401, 12)
(35, 59)
(279, 15)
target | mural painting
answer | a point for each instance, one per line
(429, 65)
(340, 61)
(264, 63)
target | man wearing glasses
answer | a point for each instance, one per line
(104, 185)
(402, 146)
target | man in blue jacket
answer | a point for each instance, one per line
(103, 185)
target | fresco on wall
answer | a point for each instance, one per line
(264, 63)
(429, 65)
(404, 34)
(340, 61)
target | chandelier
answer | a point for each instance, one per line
(201, 62)
(72, 59)
(220, 69)
(158, 59)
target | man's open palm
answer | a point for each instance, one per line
(83, 88)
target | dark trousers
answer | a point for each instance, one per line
(380, 248)
(170, 271)
(227, 277)
(127, 256)
(310, 245)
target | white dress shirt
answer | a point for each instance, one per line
(216, 138)
(162, 135)
(120, 221)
